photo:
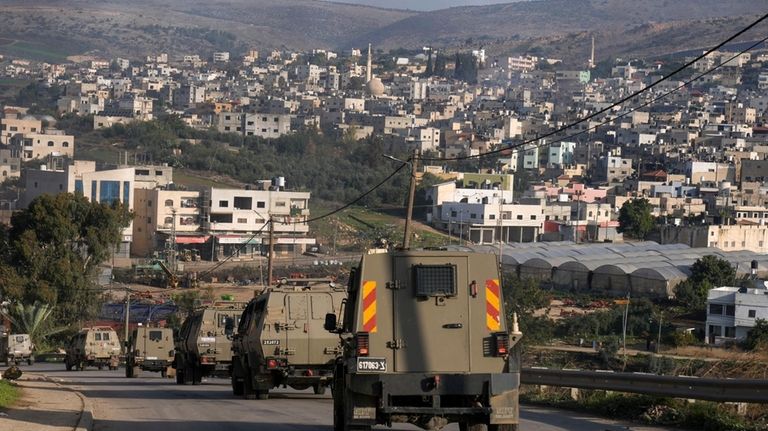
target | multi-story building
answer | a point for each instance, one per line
(266, 125)
(31, 146)
(11, 126)
(732, 312)
(10, 166)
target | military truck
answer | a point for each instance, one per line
(425, 341)
(149, 349)
(203, 348)
(96, 346)
(19, 349)
(280, 340)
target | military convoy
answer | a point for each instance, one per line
(149, 349)
(203, 347)
(97, 346)
(19, 348)
(424, 341)
(281, 341)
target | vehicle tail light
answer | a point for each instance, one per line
(362, 342)
(309, 373)
(271, 364)
(501, 341)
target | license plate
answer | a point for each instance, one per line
(151, 358)
(371, 365)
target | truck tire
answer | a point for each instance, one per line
(67, 365)
(135, 371)
(180, 376)
(30, 361)
(128, 371)
(81, 366)
(237, 386)
(249, 393)
(196, 375)
(164, 373)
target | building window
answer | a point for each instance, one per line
(453, 214)
(730, 332)
(149, 203)
(242, 220)
(126, 193)
(752, 314)
(79, 187)
(243, 203)
(149, 220)
(223, 204)
(491, 216)
(168, 220)
(50, 143)
(65, 144)
(472, 215)
(730, 310)
(280, 203)
(260, 204)
(519, 216)
(109, 192)
(533, 217)
(715, 309)
(715, 330)
(169, 202)
(93, 190)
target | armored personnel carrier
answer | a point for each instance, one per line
(425, 340)
(280, 340)
(203, 347)
(149, 349)
(19, 349)
(96, 346)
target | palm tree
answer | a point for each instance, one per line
(31, 319)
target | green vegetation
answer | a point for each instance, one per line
(8, 393)
(635, 219)
(52, 254)
(33, 320)
(336, 170)
(34, 51)
(524, 297)
(706, 273)
(757, 338)
(701, 416)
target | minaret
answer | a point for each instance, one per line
(368, 72)
(592, 55)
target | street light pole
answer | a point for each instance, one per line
(411, 197)
(127, 316)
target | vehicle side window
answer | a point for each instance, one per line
(435, 280)
(155, 335)
(105, 336)
(19, 339)
(97, 336)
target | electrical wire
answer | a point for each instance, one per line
(271, 220)
(643, 105)
(613, 105)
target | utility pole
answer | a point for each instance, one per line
(271, 249)
(658, 340)
(411, 196)
(624, 335)
(127, 316)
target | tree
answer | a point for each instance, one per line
(635, 219)
(524, 297)
(706, 273)
(757, 337)
(54, 249)
(32, 320)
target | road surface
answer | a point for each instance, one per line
(151, 403)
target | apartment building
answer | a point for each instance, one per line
(30, 146)
(11, 126)
(732, 312)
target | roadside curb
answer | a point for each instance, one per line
(85, 423)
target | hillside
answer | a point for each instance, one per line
(53, 29)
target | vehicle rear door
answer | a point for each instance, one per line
(431, 314)
(295, 337)
(323, 345)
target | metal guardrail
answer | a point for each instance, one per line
(722, 390)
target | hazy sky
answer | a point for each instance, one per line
(423, 4)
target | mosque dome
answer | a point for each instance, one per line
(375, 87)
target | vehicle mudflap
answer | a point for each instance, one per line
(505, 408)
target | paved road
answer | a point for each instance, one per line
(151, 403)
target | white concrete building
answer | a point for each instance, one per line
(732, 311)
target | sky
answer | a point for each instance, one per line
(422, 5)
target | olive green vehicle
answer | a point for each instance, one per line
(149, 349)
(425, 341)
(96, 346)
(281, 341)
(203, 347)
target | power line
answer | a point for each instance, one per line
(335, 211)
(613, 105)
(624, 114)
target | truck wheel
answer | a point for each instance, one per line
(262, 395)
(248, 392)
(180, 376)
(81, 366)
(237, 386)
(319, 388)
(164, 373)
(128, 371)
(100, 367)
(30, 361)
(135, 371)
(197, 374)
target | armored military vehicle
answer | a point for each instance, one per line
(203, 347)
(19, 349)
(96, 346)
(425, 341)
(149, 349)
(280, 340)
